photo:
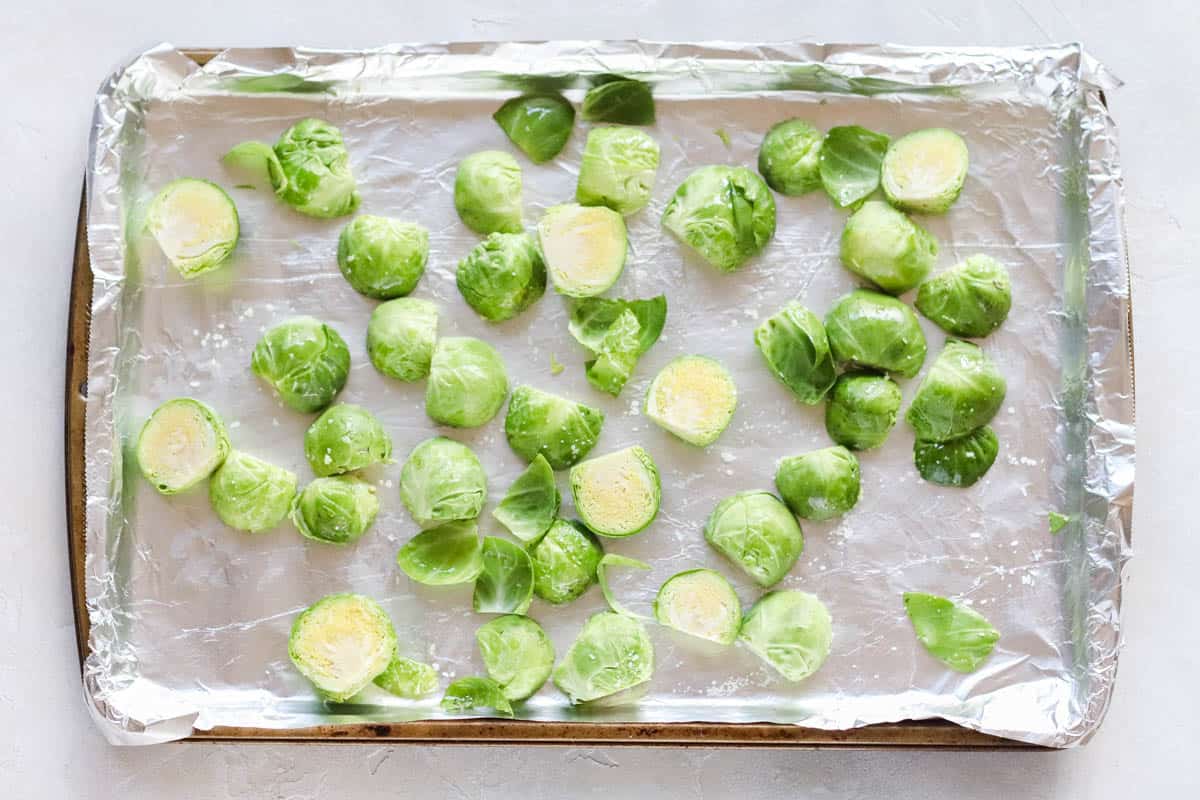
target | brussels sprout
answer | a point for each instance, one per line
(382, 257)
(613, 365)
(970, 299)
(693, 397)
(443, 556)
(517, 655)
(869, 329)
(959, 637)
(308, 167)
(700, 603)
(502, 276)
(819, 485)
(887, 248)
(441, 481)
(539, 124)
(505, 585)
(850, 160)
(337, 510)
(584, 247)
(620, 100)
(618, 169)
(181, 444)
(540, 423)
(796, 349)
(467, 694)
(341, 643)
(195, 224)
(617, 494)
(564, 562)
(531, 504)
(612, 654)
(594, 317)
(345, 438)
(756, 531)
(487, 192)
(924, 171)
(406, 678)
(249, 494)
(962, 391)
(467, 383)
(401, 336)
(792, 631)
(305, 360)
(726, 214)
(862, 410)
(790, 157)
(958, 462)
(615, 560)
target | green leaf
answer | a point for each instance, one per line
(617, 357)
(280, 82)
(445, 555)
(592, 317)
(1057, 521)
(539, 124)
(531, 504)
(505, 583)
(955, 635)
(851, 158)
(556, 368)
(623, 101)
(407, 678)
(467, 694)
(614, 560)
(723, 135)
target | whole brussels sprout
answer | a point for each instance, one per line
(969, 299)
(250, 494)
(564, 562)
(618, 169)
(792, 631)
(790, 157)
(584, 247)
(796, 349)
(487, 192)
(542, 423)
(345, 438)
(341, 643)
(869, 329)
(957, 462)
(337, 510)
(446, 555)
(617, 494)
(887, 248)
(401, 337)
(959, 637)
(726, 214)
(819, 485)
(442, 480)
(756, 532)
(181, 444)
(611, 655)
(924, 171)
(539, 124)
(862, 410)
(517, 654)
(962, 391)
(382, 257)
(700, 603)
(502, 276)
(305, 360)
(467, 383)
(195, 224)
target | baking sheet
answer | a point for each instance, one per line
(189, 619)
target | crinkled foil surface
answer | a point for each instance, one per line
(189, 619)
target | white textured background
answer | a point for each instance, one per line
(53, 54)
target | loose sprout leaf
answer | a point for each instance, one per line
(790, 630)
(517, 655)
(442, 480)
(617, 494)
(556, 368)
(593, 317)
(443, 556)
(181, 443)
(277, 83)
(923, 171)
(612, 654)
(256, 161)
(615, 560)
(407, 678)
(468, 694)
(723, 135)
(700, 603)
(505, 582)
(539, 124)
(306, 361)
(819, 485)
(561, 430)
(962, 391)
(851, 158)
(531, 504)
(875, 331)
(758, 533)
(564, 562)
(345, 438)
(796, 349)
(617, 356)
(341, 643)
(337, 510)
(250, 494)
(726, 214)
(1057, 521)
(955, 635)
(969, 299)
(959, 462)
(623, 101)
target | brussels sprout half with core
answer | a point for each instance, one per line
(584, 248)
(336, 510)
(542, 424)
(962, 391)
(612, 654)
(617, 494)
(790, 157)
(250, 494)
(564, 562)
(959, 637)
(468, 694)
(969, 299)
(539, 124)
(957, 462)
(618, 169)
(620, 100)
(819, 485)
(517, 655)
(887, 248)
(442, 480)
(341, 643)
(792, 631)
(181, 443)
(401, 336)
(443, 556)
(382, 257)
(502, 276)
(531, 504)
(467, 383)
(407, 678)
(758, 533)
(487, 192)
(305, 360)
(862, 410)
(874, 330)
(924, 171)
(345, 438)
(195, 224)
(796, 349)
(726, 214)
(851, 157)
(700, 603)
(505, 583)
(693, 397)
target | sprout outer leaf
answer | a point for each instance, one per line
(443, 556)
(624, 101)
(959, 637)
(959, 462)
(468, 694)
(407, 678)
(539, 124)
(505, 583)
(615, 560)
(531, 504)
(850, 162)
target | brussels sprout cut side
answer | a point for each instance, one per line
(401, 336)
(726, 214)
(517, 655)
(505, 584)
(619, 100)
(341, 644)
(181, 444)
(700, 603)
(305, 360)
(336, 510)
(531, 504)
(862, 410)
(617, 494)
(758, 533)
(584, 248)
(542, 424)
(611, 655)
(443, 556)
(441, 481)
(406, 678)
(487, 192)
(851, 157)
(564, 562)
(790, 157)
(468, 694)
(382, 257)
(792, 631)
(195, 224)
(962, 391)
(959, 637)
(958, 462)
(796, 349)
(924, 171)
(618, 169)
(346, 438)
(249, 494)
(467, 383)
(539, 124)
(693, 397)
(819, 485)
(502, 276)
(970, 299)
(873, 330)
(887, 248)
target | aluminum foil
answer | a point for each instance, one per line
(189, 619)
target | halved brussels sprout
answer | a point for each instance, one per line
(962, 391)
(250, 494)
(540, 423)
(616, 560)
(345, 438)
(467, 383)
(539, 124)
(505, 584)
(195, 224)
(851, 157)
(613, 365)
(924, 171)
(862, 410)
(467, 694)
(796, 349)
(442, 480)
(584, 247)
(755, 531)
(382, 257)
(870, 329)
(181, 443)
(407, 678)
(726, 214)
(401, 336)
(341, 643)
(517, 655)
(594, 317)
(617, 494)
(564, 562)
(819, 485)
(693, 397)
(959, 637)
(887, 248)
(502, 276)
(612, 654)
(618, 169)
(305, 360)
(790, 157)
(969, 299)
(620, 100)
(700, 603)
(792, 631)
(448, 554)
(337, 510)
(487, 192)
(957, 462)
(531, 504)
